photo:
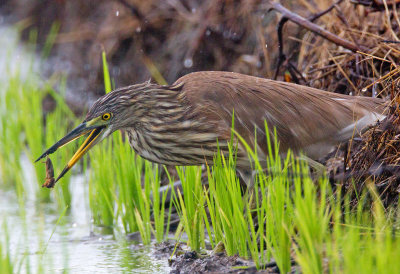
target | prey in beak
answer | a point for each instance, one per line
(93, 128)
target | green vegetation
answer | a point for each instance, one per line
(293, 216)
(119, 189)
(6, 264)
(287, 216)
(25, 132)
(190, 206)
(121, 184)
(21, 122)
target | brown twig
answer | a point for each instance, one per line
(376, 5)
(134, 10)
(322, 13)
(284, 19)
(281, 56)
(301, 21)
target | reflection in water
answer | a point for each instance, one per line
(72, 247)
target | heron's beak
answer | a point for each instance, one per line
(77, 132)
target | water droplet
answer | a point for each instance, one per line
(208, 32)
(138, 29)
(117, 13)
(266, 45)
(226, 34)
(116, 71)
(364, 90)
(188, 63)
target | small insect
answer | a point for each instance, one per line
(50, 181)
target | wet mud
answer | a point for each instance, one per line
(183, 261)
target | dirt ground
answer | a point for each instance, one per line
(191, 262)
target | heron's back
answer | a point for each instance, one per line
(306, 119)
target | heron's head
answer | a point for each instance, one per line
(119, 109)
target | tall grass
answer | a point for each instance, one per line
(291, 218)
(25, 128)
(23, 131)
(120, 190)
(10, 135)
(123, 188)
(6, 263)
(288, 217)
(190, 205)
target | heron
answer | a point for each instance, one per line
(185, 123)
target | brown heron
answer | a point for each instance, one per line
(185, 123)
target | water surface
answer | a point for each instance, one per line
(73, 246)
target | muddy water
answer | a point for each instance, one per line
(73, 247)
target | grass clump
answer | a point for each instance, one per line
(190, 205)
(292, 218)
(26, 129)
(124, 188)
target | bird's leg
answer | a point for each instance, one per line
(320, 169)
(248, 177)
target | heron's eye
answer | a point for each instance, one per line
(106, 116)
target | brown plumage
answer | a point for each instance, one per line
(306, 119)
(183, 129)
(179, 124)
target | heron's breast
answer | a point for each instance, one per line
(178, 151)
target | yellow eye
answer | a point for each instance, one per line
(106, 116)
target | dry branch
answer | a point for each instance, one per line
(301, 21)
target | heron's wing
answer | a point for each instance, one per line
(303, 116)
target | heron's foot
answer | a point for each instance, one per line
(219, 248)
(320, 169)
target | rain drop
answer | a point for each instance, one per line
(117, 13)
(188, 63)
(225, 33)
(116, 71)
(138, 29)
